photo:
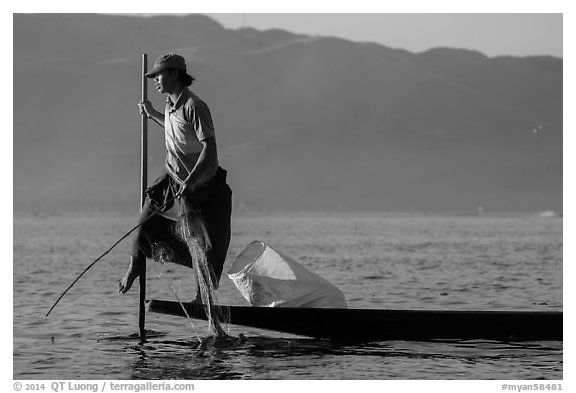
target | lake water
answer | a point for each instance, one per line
(378, 261)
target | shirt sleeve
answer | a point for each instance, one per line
(201, 120)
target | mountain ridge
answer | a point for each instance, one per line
(302, 122)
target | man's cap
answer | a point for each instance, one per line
(167, 61)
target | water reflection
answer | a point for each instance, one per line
(262, 357)
(391, 263)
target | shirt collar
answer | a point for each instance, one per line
(184, 95)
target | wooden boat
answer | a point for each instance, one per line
(361, 325)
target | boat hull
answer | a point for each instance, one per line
(383, 325)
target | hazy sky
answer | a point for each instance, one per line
(492, 34)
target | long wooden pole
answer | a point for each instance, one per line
(143, 185)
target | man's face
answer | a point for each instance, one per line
(166, 81)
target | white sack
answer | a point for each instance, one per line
(267, 278)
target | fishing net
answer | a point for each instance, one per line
(267, 278)
(190, 248)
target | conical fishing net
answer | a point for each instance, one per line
(190, 248)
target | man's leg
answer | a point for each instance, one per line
(217, 215)
(141, 246)
(136, 264)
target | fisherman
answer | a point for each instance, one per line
(192, 180)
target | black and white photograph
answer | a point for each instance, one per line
(287, 196)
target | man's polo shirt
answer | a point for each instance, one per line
(186, 123)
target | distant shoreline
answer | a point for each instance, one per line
(303, 213)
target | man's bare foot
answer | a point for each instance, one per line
(125, 284)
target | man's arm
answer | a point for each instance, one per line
(147, 109)
(158, 118)
(205, 167)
